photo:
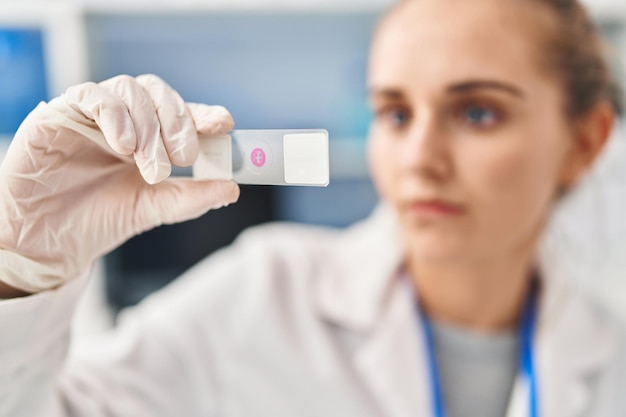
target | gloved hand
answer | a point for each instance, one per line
(90, 169)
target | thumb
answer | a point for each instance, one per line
(179, 199)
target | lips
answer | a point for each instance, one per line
(436, 207)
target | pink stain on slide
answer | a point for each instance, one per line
(258, 157)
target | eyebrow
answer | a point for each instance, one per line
(460, 88)
(389, 93)
(470, 86)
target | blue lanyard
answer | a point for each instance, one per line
(526, 360)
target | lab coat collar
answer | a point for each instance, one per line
(575, 341)
(359, 268)
(362, 293)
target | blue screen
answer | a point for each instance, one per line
(22, 76)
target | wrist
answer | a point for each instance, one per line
(8, 292)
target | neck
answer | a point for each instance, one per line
(486, 296)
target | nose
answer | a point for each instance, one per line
(426, 151)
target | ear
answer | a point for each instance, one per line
(591, 133)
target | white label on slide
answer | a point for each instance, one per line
(306, 158)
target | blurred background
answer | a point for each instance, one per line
(272, 63)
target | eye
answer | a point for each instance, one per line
(396, 116)
(480, 116)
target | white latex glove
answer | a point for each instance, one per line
(90, 169)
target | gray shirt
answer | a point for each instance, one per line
(477, 370)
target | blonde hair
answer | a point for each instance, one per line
(577, 54)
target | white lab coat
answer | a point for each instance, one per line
(288, 321)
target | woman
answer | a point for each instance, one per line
(486, 113)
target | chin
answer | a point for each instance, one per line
(429, 256)
(437, 248)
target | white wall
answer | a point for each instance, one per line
(273, 5)
(607, 8)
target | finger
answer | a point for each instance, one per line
(108, 111)
(211, 120)
(177, 128)
(150, 154)
(180, 199)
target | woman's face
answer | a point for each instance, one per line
(469, 139)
